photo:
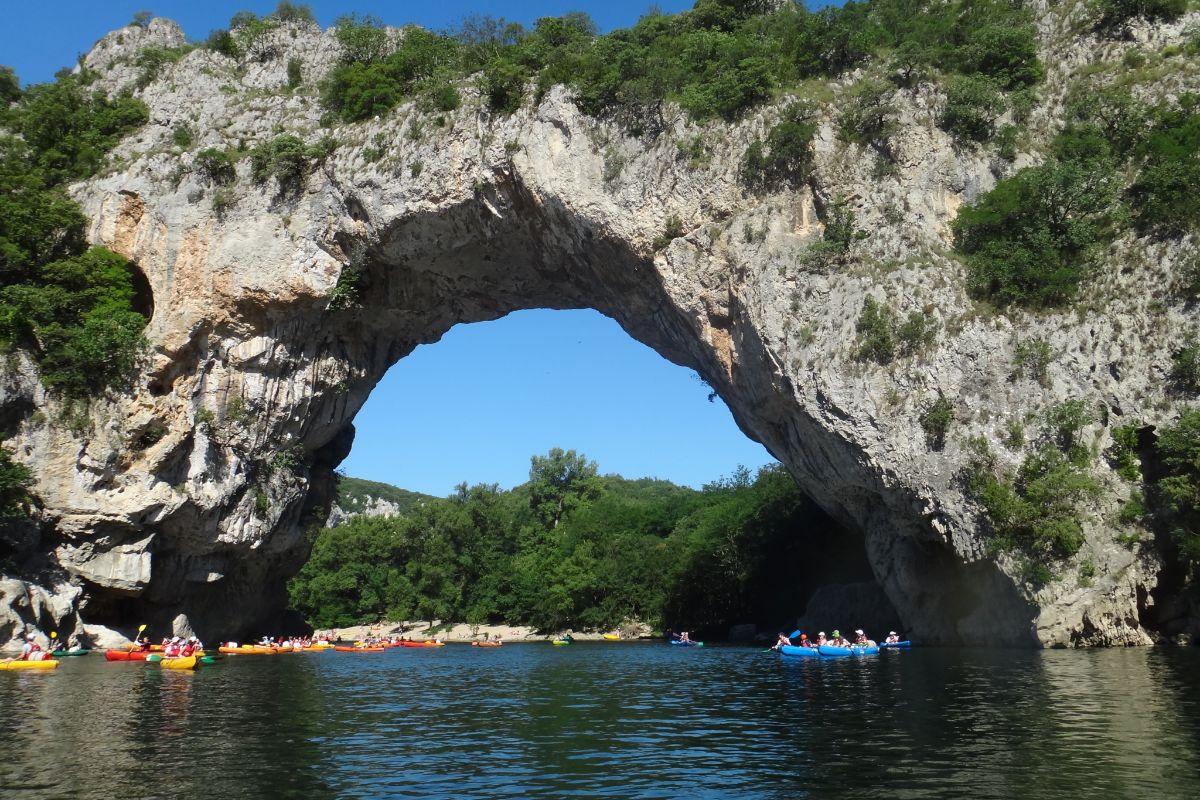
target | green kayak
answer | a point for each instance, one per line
(76, 652)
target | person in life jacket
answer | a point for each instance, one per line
(821, 639)
(892, 637)
(31, 650)
(781, 641)
(805, 642)
(861, 639)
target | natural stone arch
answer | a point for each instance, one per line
(545, 208)
(501, 247)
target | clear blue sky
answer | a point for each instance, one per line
(476, 405)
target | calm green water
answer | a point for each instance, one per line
(611, 720)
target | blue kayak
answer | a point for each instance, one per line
(793, 650)
(905, 643)
(840, 652)
(687, 644)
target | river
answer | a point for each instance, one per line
(611, 720)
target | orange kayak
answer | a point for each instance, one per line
(345, 649)
(422, 644)
(486, 644)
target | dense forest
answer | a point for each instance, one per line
(573, 548)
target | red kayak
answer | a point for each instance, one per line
(421, 644)
(125, 655)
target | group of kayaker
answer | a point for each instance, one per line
(293, 642)
(179, 647)
(836, 640)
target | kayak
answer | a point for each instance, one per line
(486, 644)
(179, 663)
(248, 650)
(905, 643)
(79, 651)
(793, 650)
(839, 652)
(344, 649)
(612, 637)
(680, 643)
(420, 644)
(16, 664)
(125, 655)
(559, 642)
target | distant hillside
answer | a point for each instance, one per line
(372, 498)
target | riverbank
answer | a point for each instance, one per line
(465, 632)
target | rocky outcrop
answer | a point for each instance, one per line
(255, 376)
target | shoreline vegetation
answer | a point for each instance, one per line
(574, 550)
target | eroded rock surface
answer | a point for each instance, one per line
(255, 377)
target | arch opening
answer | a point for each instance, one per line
(462, 418)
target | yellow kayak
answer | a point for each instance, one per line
(179, 663)
(612, 637)
(16, 664)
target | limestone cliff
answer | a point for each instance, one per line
(186, 500)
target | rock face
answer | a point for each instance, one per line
(255, 375)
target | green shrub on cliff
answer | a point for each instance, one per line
(289, 161)
(1113, 14)
(72, 307)
(1038, 509)
(972, 105)
(786, 158)
(1177, 491)
(15, 480)
(1028, 241)
(1185, 367)
(936, 421)
(1164, 196)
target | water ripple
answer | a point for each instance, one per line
(603, 720)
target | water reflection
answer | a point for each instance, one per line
(611, 721)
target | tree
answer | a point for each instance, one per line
(10, 87)
(558, 482)
(1026, 241)
(1178, 490)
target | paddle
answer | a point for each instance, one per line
(53, 636)
(138, 635)
(791, 635)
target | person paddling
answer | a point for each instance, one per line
(683, 637)
(781, 642)
(804, 641)
(892, 637)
